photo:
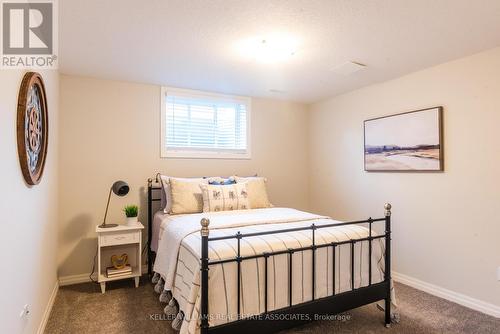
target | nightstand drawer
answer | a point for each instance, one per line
(119, 238)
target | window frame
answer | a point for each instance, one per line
(199, 153)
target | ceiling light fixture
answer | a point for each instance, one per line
(268, 49)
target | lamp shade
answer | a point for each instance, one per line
(120, 188)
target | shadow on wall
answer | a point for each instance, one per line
(79, 259)
(74, 233)
(81, 248)
(77, 227)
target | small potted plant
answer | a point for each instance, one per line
(131, 211)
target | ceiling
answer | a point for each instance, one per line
(191, 44)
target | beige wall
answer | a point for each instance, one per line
(28, 242)
(446, 225)
(110, 130)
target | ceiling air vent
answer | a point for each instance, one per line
(348, 68)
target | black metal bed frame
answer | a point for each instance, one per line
(293, 315)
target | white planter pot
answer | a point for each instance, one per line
(131, 221)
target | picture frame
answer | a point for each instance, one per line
(406, 142)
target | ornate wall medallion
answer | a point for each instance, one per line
(32, 127)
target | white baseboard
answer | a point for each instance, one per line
(84, 278)
(74, 279)
(453, 296)
(48, 309)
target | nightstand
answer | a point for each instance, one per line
(117, 241)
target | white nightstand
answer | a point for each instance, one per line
(116, 241)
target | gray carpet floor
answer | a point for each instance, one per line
(124, 309)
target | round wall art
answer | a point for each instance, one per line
(32, 127)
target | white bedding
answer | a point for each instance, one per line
(178, 255)
(160, 219)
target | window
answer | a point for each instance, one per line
(204, 125)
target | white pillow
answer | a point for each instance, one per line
(168, 200)
(257, 192)
(224, 197)
(166, 196)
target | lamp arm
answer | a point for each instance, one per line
(107, 206)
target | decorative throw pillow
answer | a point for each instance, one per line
(224, 197)
(186, 195)
(166, 194)
(257, 192)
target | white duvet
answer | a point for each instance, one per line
(179, 252)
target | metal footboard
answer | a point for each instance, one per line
(335, 303)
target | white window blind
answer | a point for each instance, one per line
(198, 125)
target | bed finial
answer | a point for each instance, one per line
(150, 182)
(387, 208)
(204, 227)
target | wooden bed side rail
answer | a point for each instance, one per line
(336, 303)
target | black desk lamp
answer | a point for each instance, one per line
(120, 188)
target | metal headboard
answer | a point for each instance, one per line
(151, 199)
(153, 196)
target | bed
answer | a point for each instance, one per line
(266, 269)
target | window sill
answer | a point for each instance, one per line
(205, 155)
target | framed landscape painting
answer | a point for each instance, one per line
(410, 141)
